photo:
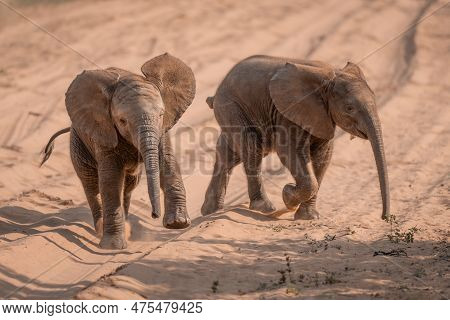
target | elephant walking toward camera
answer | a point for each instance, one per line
(292, 107)
(119, 123)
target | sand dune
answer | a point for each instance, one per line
(48, 247)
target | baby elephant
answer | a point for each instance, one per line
(291, 107)
(119, 122)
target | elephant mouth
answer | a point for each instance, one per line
(361, 134)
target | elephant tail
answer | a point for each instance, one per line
(210, 101)
(49, 147)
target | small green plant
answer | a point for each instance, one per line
(292, 290)
(288, 268)
(286, 274)
(330, 278)
(262, 286)
(317, 245)
(282, 279)
(419, 273)
(286, 279)
(397, 235)
(215, 286)
(329, 237)
(393, 253)
(316, 280)
(278, 228)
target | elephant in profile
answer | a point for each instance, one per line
(292, 107)
(119, 123)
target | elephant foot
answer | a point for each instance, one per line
(177, 219)
(306, 213)
(289, 195)
(210, 207)
(263, 205)
(115, 242)
(99, 227)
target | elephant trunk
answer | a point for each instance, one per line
(149, 148)
(373, 130)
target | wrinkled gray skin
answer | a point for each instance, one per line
(292, 107)
(119, 124)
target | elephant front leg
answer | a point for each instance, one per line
(175, 215)
(86, 170)
(90, 186)
(111, 183)
(302, 195)
(131, 182)
(297, 158)
(321, 157)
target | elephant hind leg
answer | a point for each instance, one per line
(111, 184)
(252, 155)
(226, 160)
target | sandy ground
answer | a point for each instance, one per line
(47, 244)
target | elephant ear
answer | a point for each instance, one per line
(354, 69)
(296, 91)
(88, 103)
(176, 82)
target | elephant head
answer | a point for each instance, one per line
(318, 98)
(104, 104)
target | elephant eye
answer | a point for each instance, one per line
(349, 108)
(123, 121)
